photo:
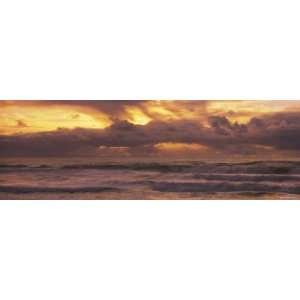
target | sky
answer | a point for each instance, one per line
(198, 129)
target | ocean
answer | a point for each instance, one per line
(81, 178)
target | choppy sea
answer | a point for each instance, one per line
(85, 179)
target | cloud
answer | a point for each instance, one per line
(118, 110)
(280, 131)
(113, 108)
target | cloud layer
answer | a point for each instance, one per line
(220, 137)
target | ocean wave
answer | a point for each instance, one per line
(223, 187)
(160, 186)
(31, 189)
(133, 167)
(247, 177)
(257, 167)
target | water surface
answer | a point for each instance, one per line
(79, 178)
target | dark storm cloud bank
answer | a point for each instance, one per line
(278, 131)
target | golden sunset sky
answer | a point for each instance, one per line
(154, 127)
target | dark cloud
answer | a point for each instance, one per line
(277, 131)
(281, 131)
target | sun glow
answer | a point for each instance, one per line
(177, 147)
(137, 116)
(36, 119)
(160, 110)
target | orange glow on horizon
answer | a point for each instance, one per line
(180, 147)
